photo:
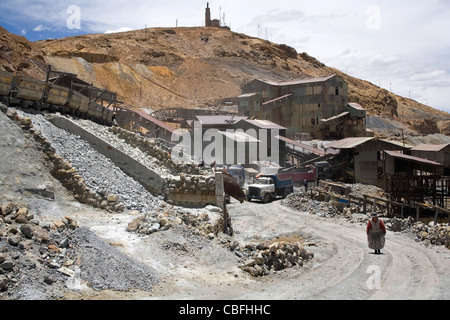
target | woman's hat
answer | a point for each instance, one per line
(374, 214)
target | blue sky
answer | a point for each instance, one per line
(401, 45)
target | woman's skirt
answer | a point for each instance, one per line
(376, 239)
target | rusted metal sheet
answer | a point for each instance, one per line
(412, 158)
(232, 188)
(430, 147)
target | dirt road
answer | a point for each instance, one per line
(343, 266)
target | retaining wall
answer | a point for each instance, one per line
(144, 175)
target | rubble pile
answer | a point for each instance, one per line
(262, 258)
(399, 225)
(32, 254)
(207, 221)
(46, 260)
(431, 234)
(302, 202)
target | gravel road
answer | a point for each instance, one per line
(344, 267)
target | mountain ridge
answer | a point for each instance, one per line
(197, 67)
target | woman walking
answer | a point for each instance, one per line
(376, 231)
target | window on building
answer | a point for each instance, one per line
(337, 91)
(313, 121)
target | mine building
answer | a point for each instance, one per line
(315, 108)
(439, 153)
(361, 160)
(411, 179)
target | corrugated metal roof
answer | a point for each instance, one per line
(302, 145)
(296, 82)
(264, 124)
(356, 106)
(219, 120)
(155, 121)
(396, 154)
(398, 143)
(430, 147)
(349, 143)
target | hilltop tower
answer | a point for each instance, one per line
(208, 16)
(215, 23)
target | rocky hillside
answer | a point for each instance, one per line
(196, 67)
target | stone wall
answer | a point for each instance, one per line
(65, 172)
(147, 177)
(186, 184)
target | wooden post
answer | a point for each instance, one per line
(401, 211)
(436, 216)
(365, 205)
(225, 216)
(417, 213)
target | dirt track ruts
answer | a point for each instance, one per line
(343, 266)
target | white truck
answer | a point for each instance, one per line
(268, 187)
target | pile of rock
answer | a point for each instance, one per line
(66, 173)
(31, 254)
(302, 202)
(432, 234)
(263, 258)
(260, 259)
(399, 225)
(152, 149)
(207, 221)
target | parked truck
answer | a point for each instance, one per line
(313, 173)
(268, 187)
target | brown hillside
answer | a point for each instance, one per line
(196, 67)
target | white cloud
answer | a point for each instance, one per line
(123, 29)
(41, 28)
